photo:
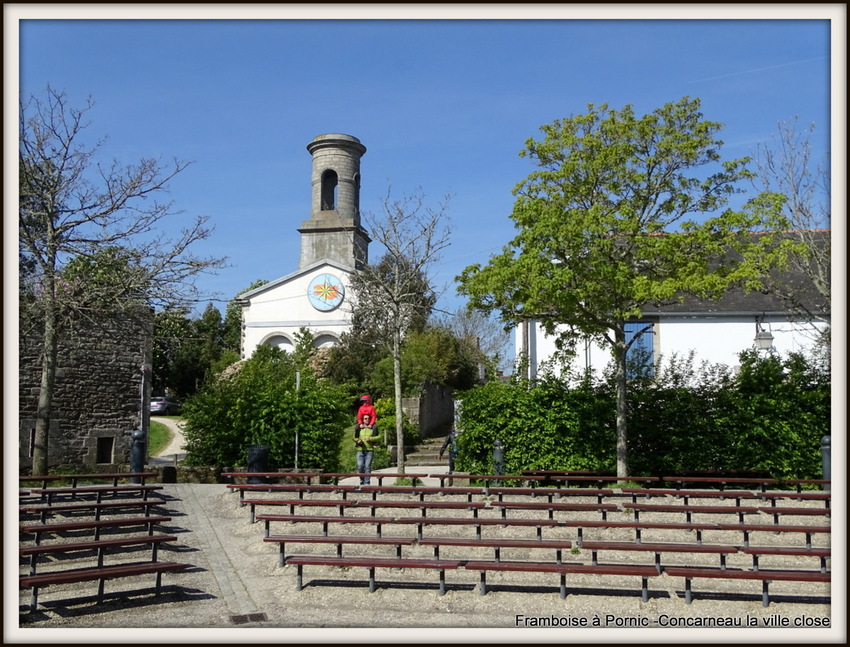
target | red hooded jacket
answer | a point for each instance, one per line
(366, 407)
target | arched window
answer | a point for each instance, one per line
(329, 185)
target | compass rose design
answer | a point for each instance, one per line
(325, 292)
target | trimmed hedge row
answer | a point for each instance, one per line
(768, 416)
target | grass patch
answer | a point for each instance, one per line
(408, 481)
(159, 437)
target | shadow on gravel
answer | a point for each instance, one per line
(112, 602)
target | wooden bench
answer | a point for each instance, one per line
(689, 510)
(371, 563)
(324, 520)
(421, 490)
(658, 548)
(800, 512)
(551, 493)
(300, 488)
(97, 526)
(267, 475)
(100, 573)
(799, 483)
(487, 478)
(558, 545)
(97, 508)
(341, 504)
(424, 506)
(747, 528)
(644, 572)
(380, 476)
(420, 522)
(34, 552)
(721, 481)
(602, 480)
(339, 540)
(766, 577)
(637, 526)
(76, 478)
(773, 497)
(787, 551)
(99, 490)
(604, 508)
(686, 495)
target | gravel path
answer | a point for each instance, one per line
(235, 583)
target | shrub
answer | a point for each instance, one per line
(260, 405)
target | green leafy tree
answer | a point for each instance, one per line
(71, 207)
(266, 404)
(608, 224)
(395, 295)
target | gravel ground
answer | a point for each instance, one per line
(235, 585)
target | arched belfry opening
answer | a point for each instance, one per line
(333, 231)
(330, 181)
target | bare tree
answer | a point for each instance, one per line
(786, 166)
(395, 294)
(91, 237)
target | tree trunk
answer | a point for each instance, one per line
(48, 381)
(399, 419)
(620, 376)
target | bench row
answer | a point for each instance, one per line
(549, 493)
(532, 477)
(550, 506)
(558, 545)
(562, 569)
(539, 524)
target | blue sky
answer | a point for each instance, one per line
(441, 103)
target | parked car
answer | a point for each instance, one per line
(165, 406)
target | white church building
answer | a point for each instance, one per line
(333, 245)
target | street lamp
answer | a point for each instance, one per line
(764, 339)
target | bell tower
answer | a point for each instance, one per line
(333, 231)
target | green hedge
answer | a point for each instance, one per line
(770, 416)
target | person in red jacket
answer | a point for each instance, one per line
(366, 408)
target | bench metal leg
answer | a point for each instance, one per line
(100, 586)
(371, 579)
(267, 528)
(299, 577)
(482, 583)
(253, 519)
(563, 585)
(159, 583)
(558, 556)
(378, 527)
(765, 597)
(442, 582)
(644, 589)
(34, 599)
(498, 553)
(282, 559)
(688, 595)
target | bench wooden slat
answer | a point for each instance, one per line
(637, 526)
(747, 528)
(690, 572)
(101, 573)
(43, 511)
(644, 572)
(497, 543)
(604, 508)
(440, 565)
(100, 546)
(339, 540)
(658, 548)
(688, 510)
(324, 520)
(787, 551)
(41, 528)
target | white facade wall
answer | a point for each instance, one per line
(717, 340)
(278, 310)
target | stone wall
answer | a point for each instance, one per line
(433, 413)
(98, 400)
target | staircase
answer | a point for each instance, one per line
(425, 454)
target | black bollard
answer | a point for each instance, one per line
(138, 449)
